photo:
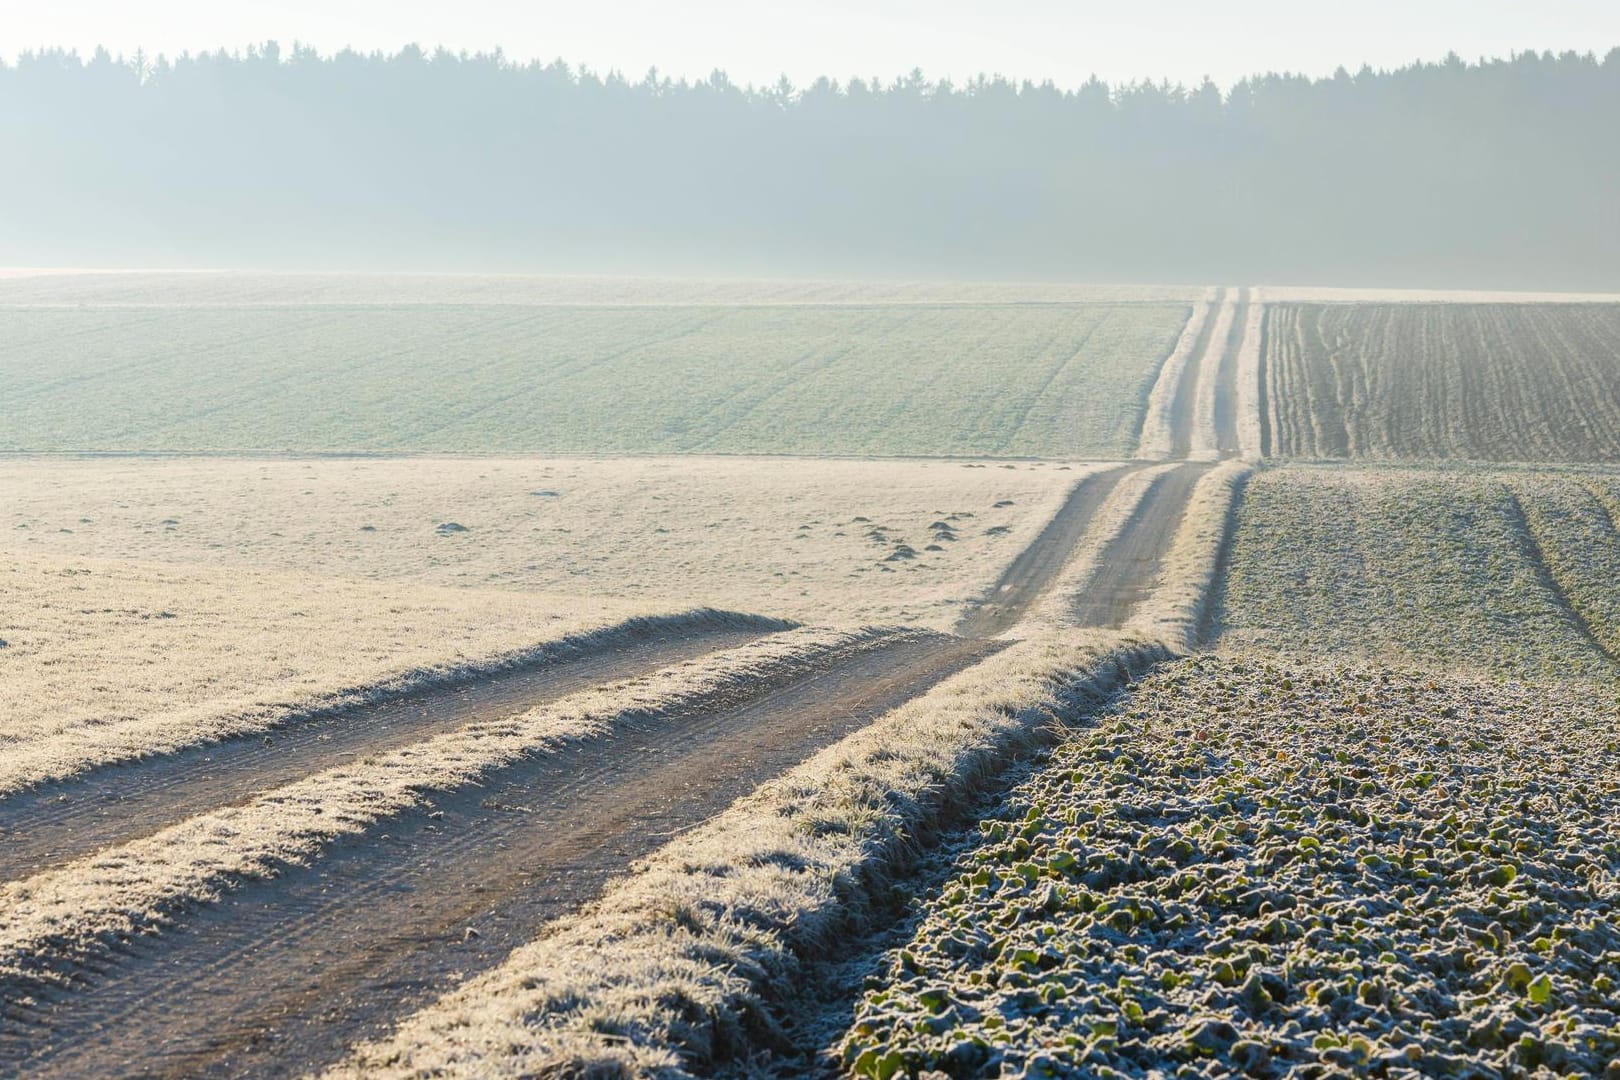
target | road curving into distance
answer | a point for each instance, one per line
(279, 976)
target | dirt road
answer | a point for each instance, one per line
(1031, 574)
(282, 975)
(1184, 412)
(1227, 441)
(57, 823)
(1129, 566)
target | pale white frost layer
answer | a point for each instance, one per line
(56, 920)
(1055, 613)
(665, 972)
(1158, 425)
(1248, 381)
(1206, 441)
(1174, 613)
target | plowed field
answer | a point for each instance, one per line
(1490, 382)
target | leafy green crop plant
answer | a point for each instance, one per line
(1244, 870)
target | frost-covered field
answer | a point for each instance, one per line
(146, 288)
(1249, 870)
(1481, 381)
(842, 541)
(1053, 380)
(103, 660)
(1507, 573)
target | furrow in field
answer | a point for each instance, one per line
(1484, 382)
(284, 973)
(56, 823)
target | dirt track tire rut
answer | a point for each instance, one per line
(1129, 565)
(1227, 440)
(54, 824)
(1029, 576)
(281, 976)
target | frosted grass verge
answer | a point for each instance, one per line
(52, 924)
(1157, 441)
(1175, 613)
(679, 966)
(77, 750)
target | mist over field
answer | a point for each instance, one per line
(510, 571)
(1497, 174)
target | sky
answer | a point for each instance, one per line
(756, 42)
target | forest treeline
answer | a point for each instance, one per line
(1502, 173)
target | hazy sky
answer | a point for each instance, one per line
(1064, 40)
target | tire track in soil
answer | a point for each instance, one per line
(281, 976)
(1033, 571)
(1183, 420)
(56, 823)
(1128, 568)
(1227, 441)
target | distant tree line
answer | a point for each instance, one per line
(1499, 173)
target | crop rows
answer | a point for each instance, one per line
(1421, 566)
(1050, 380)
(1241, 870)
(1493, 382)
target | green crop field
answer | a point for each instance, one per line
(1485, 382)
(1509, 573)
(1040, 380)
(1249, 870)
